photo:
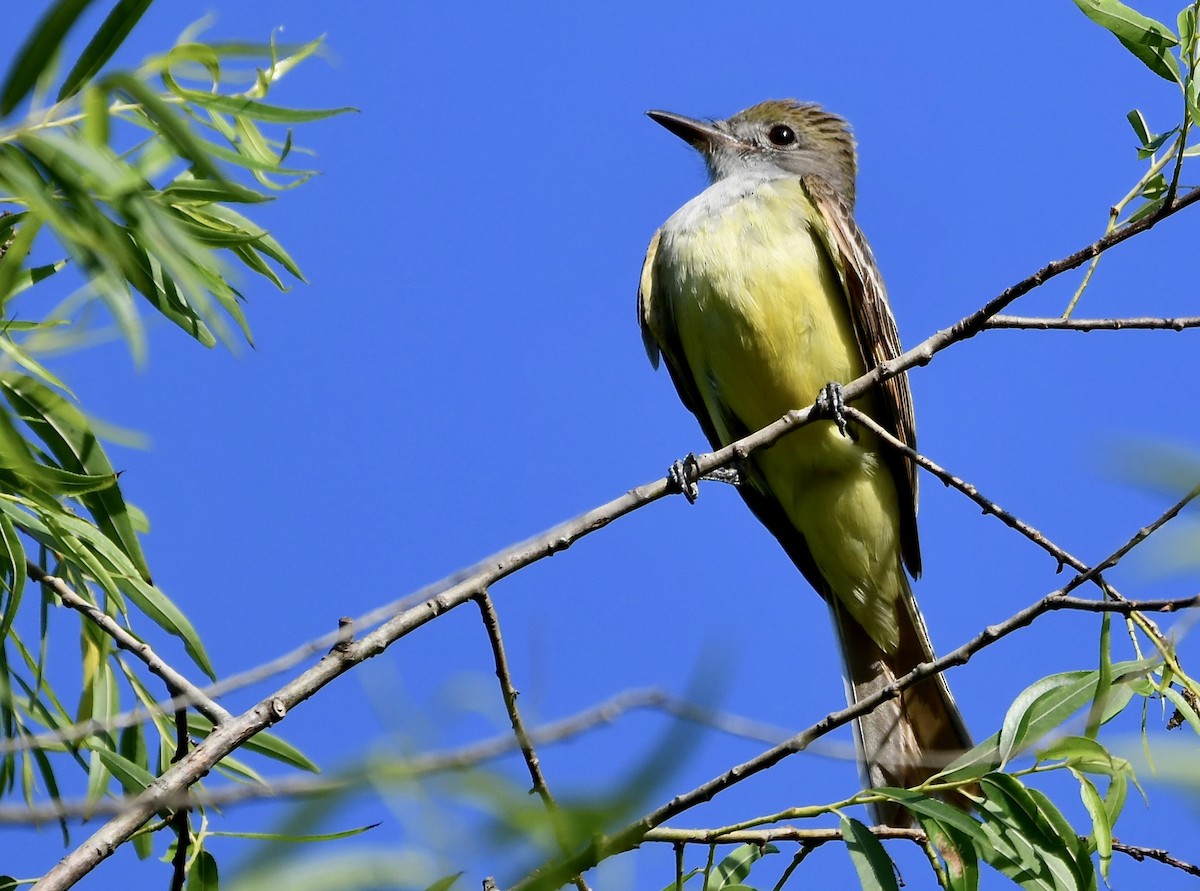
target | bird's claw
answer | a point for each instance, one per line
(684, 475)
(831, 405)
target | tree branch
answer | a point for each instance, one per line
(1060, 324)
(186, 690)
(491, 622)
(813, 838)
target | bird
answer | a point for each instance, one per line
(760, 294)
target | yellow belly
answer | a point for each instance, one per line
(763, 324)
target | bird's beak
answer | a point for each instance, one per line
(698, 134)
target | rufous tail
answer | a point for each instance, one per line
(905, 740)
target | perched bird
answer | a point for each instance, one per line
(757, 293)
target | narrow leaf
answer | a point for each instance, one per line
(36, 55)
(735, 867)
(104, 43)
(132, 777)
(1140, 129)
(283, 837)
(266, 744)
(1101, 822)
(871, 862)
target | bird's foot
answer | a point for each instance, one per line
(831, 405)
(684, 475)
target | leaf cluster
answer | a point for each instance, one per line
(137, 183)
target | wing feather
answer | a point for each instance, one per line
(878, 341)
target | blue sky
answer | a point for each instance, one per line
(464, 369)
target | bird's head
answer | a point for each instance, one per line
(778, 137)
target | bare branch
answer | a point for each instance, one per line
(1060, 555)
(180, 821)
(491, 622)
(1139, 854)
(126, 641)
(815, 837)
(1061, 324)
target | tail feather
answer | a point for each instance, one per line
(906, 740)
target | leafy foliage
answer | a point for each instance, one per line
(132, 178)
(1172, 57)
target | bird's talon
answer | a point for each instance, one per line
(683, 476)
(831, 404)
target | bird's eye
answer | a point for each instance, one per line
(781, 134)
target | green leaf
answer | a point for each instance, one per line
(242, 106)
(132, 777)
(1044, 706)
(34, 367)
(1103, 678)
(443, 884)
(27, 278)
(38, 51)
(1140, 128)
(69, 437)
(264, 243)
(202, 876)
(684, 879)
(284, 837)
(12, 555)
(935, 809)
(1026, 841)
(10, 265)
(1185, 22)
(170, 123)
(104, 43)
(1084, 753)
(871, 862)
(169, 617)
(205, 191)
(1149, 40)
(735, 866)
(957, 852)
(264, 743)
(1101, 821)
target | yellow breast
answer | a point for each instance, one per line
(756, 301)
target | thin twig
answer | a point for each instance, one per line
(812, 838)
(1139, 854)
(180, 821)
(1061, 324)
(491, 622)
(1061, 556)
(126, 641)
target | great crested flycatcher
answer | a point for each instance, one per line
(757, 293)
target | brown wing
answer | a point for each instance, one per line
(878, 341)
